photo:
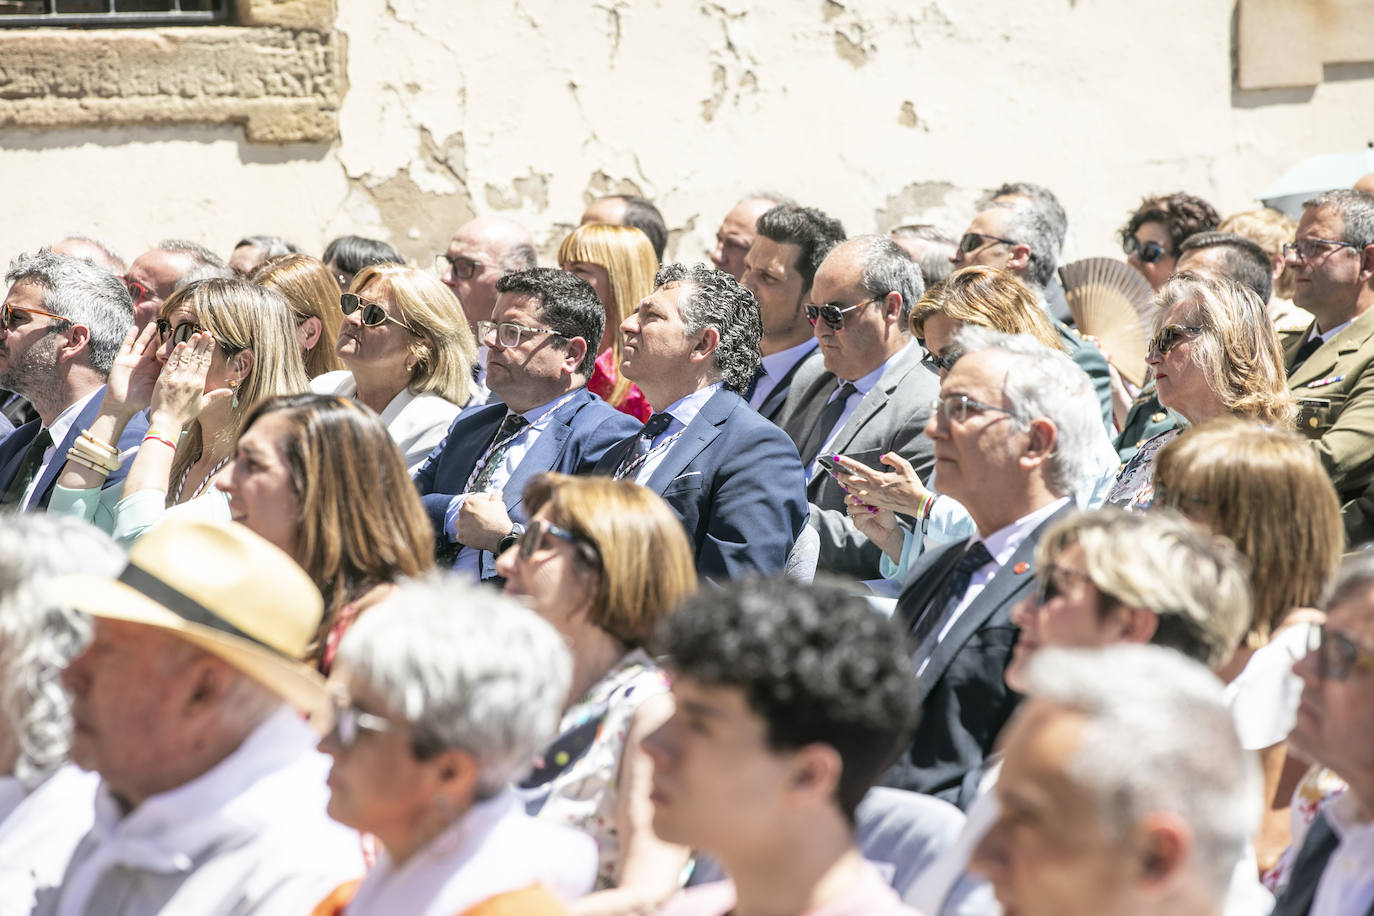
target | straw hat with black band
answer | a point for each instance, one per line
(222, 588)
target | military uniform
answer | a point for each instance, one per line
(1147, 418)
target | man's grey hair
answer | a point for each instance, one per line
(84, 294)
(1027, 225)
(887, 268)
(38, 637)
(108, 258)
(1354, 576)
(1043, 199)
(468, 668)
(714, 299)
(935, 262)
(271, 246)
(1355, 207)
(521, 256)
(1044, 383)
(201, 256)
(1157, 737)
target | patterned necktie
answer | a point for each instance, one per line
(505, 438)
(824, 424)
(644, 443)
(28, 470)
(974, 559)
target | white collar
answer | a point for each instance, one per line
(685, 409)
(1327, 335)
(869, 381)
(63, 423)
(1003, 542)
(776, 365)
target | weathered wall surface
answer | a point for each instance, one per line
(875, 110)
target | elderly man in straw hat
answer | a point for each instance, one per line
(212, 794)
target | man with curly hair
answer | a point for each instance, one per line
(790, 701)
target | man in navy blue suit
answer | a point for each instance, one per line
(732, 477)
(61, 325)
(542, 340)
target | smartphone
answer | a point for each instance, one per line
(831, 465)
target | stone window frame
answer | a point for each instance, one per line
(277, 70)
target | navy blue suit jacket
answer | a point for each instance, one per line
(736, 482)
(13, 447)
(577, 435)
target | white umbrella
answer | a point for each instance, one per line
(1314, 175)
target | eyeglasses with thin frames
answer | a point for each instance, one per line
(1305, 250)
(373, 314)
(7, 315)
(1337, 655)
(833, 314)
(508, 334)
(957, 407)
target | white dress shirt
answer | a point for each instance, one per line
(775, 366)
(683, 411)
(494, 848)
(862, 387)
(59, 429)
(1346, 886)
(39, 831)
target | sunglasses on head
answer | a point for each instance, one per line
(1149, 252)
(1170, 336)
(1337, 655)
(832, 314)
(373, 314)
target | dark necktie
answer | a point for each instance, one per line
(754, 383)
(823, 424)
(974, 559)
(28, 470)
(505, 438)
(644, 442)
(1309, 346)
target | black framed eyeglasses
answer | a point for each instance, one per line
(373, 314)
(942, 363)
(460, 268)
(1304, 250)
(972, 241)
(507, 334)
(833, 314)
(1148, 252)
(1170, 336)
(1337, 655)
(957, 407)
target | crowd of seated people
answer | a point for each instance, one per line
(837, 575)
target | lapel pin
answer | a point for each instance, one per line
(1021, 567)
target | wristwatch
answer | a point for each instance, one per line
(510, 540)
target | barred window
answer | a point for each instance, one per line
(108, 13)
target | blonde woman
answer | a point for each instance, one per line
(217, 348)
(408, 353)
(619, 264)
(310, 289)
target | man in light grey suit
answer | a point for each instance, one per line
(874, 396)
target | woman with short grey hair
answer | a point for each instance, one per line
(443, 694)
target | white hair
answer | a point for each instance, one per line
(468, 668)
(1158, 736)
(1044, 383)
(38, 638)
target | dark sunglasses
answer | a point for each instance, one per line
(1170, 336)
(178, 335)
(944, 362)
(972, 241)
(459, 268)
(1336, 654)
(1149, 252)
(832, 314)
(373, 314)
(7, 315)
(533, 536)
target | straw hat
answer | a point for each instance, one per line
(223, 588)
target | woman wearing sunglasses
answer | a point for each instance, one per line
(302, 470)
(1214, 354)
(1265, 490)
(309, 288)
(408, 353)
(604, 561)
(982, 297)
(1159, 225)
(217, 348)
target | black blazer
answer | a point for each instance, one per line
(964, 699)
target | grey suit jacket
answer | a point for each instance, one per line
(890, 418)
(802, 375)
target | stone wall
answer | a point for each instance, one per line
(402, 118)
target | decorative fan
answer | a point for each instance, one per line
(1112, 302)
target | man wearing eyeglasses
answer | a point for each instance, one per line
(732, 477)
(1331, 367)
(1332, 873)
(873, 397)
(61, 325)
(481, 252)
(779, 268)
(156, 274)
(1012, 429)
(541, 340)
(1014, 234)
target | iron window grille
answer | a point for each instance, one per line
(111, 13)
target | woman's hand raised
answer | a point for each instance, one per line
(180, 395)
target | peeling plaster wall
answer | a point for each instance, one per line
(878, 111)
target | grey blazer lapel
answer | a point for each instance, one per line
(878, 396)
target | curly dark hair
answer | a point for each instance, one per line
(717, 300)
(815, 662)
(1182, 214)
(809, 229)
(567, 304)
